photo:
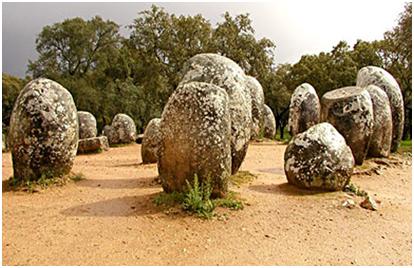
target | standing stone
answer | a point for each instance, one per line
(381, 138)
(269, 130)
(122, 130)
(93, 145)
(383, 79)
(304, 109)
(225, 73)
(349, 110)
(319, 158)
(151, 141)
(257, 97)
(43, 131)
(87, 125)
(196, 132)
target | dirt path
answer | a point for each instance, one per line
(110, 219)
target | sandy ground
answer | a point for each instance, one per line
(110, 219)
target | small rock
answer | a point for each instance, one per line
(369, 203)
(349, 203)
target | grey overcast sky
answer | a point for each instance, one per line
(297, 27)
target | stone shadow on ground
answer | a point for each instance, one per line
(284, 189)
(127, 206)
(147, 182)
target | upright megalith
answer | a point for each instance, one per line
(87, 125)
(319, 158)
(269, 126)
(196, 134)
(43, 131)
(225, 73)
(121, 131)
(381, 138)
(304, 109)
(257, 97)
(377, 76)
(151, 141)
(349, 110)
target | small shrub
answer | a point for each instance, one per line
(171, 199)
(77, 177)
(197, 199)
(230, 201)
(242, 177)
(350, 187)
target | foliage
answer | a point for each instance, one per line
(197, 199)
(350, 187)
(108, 74)
(242, 177)
(11, 87)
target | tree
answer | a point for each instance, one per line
(396, 50)
(11, 87)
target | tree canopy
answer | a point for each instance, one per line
(109, 74)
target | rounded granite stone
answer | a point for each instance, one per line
(269, 128)
(87, 125)
(349, 110)
(381, 139)
(257, 97)
(196, 133)
(43, 131)
(151, 141)
(304, 109)
(372, 75)
(225, 73)
(122, 130)
(319, 158)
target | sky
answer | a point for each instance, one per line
(297, 27)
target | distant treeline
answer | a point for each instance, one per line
(109, 74)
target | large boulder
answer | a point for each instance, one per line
(377, 76)
(349, 110)
(225, 73)
(381, 138)
(93, 145)
(43, 131)
(304, 109)
(257, 97)
(269, 127)
(151, 141)
(122, 130)
(319, 158)
(196, 134)
(87, 125)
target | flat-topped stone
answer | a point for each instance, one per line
(93, 145)
(349, 110)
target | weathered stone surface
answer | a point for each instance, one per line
(196, 135)
(381, 138)
(43, 131)
(122, 130)
(95, 144)
(151, 141)
(87, 125)
(319, 158)
(225, 73)
(257, 97)
(381, 78)
(304, 109)
(4, 143)
(269, 130)
(349, 110)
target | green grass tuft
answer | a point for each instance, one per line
(242, 177)
(350, 187)
(197, 200)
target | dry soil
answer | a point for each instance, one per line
(110, 219)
